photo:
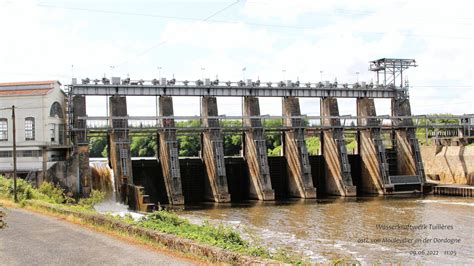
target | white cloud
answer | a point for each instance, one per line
(43, 43)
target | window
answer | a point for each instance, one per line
(3, 129)
(5, 154)
(56, 110)
(53, 132)
(30, 128)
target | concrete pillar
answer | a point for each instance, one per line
(409, 160)
(374, 174)
(338, 169)
(300, 180)
(213, 153)
(255, 152)
(168, 153)
(82, 146)
(119, 146)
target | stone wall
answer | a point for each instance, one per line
(449, 164)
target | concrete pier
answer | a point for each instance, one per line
(409, 160)
(213, 153)
(255, 150)
(168, 153)
(82, 145)
(300, 181)
(374, 173)
(338, 171)
(119, 146)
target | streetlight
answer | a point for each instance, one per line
(284, 74)
(243, 73)
(15, 197)
(202, 72)
(112, 71)
(321, 73)
(357, 73)
(159, 72)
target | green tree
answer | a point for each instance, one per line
(313, 144)
(273, 138)
(189, 145)
(232, 142)
(143, 146)
(96, 146)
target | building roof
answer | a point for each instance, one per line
(27, 87)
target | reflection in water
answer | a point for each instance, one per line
(347, 228)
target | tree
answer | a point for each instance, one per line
(143, 146)
(232, 144)
(189, 145)
(97, 145)
(313, 144)
(273, 139)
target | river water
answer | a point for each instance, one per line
(393, 229)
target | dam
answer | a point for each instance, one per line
(388, 160)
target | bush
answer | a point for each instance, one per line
(47, 192)
(221, 236)
(95, 197)
(53, 194)
(24, 191)
(4, 187)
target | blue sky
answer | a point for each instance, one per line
(43, 39)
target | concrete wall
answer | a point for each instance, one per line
(449, 164)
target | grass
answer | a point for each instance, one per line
(162, 221)
(219, 236)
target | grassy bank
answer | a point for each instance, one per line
(158, 225)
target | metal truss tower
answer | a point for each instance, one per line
(392, 69)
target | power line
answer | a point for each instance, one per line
(163, 42)
(221, 10)
(295, 27)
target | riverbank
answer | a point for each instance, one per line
(212, 243)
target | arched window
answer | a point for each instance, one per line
(30, 128)
(3, 129)
(56, 110)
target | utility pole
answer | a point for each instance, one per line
(14, 154)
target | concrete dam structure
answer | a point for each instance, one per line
(376, 169)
